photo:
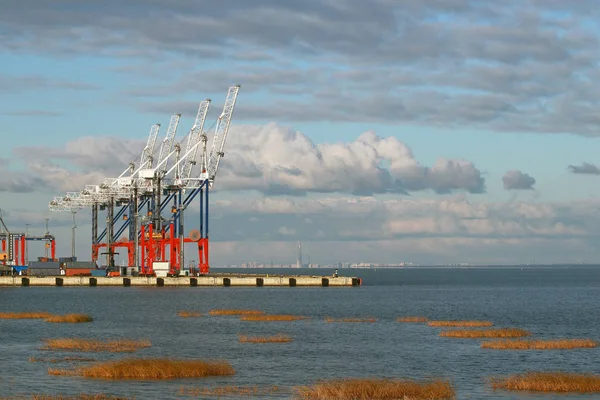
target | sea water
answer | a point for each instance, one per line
(549, 301)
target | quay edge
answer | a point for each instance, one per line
(199, 281)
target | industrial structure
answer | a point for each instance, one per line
(13, 245)
(143, 208)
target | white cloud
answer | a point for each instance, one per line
(276, 160)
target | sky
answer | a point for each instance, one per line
(431, 132)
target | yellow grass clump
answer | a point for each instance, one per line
(70, 318)
(221, 391)
(485, 333)
(329, 319)
(381, 389)
(412, 319)
(265, 339)
(524, 344)
(188, 314)
(145, 369)
(549, 382)
(114, 346)
(236, 312)
(24, 315)
(460, 323)
(273, 317)
(56, 360)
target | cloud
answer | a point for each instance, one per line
(269, 159)
(279, 161)
(15, 84)
(419, 230)
(503, 67)
(517, 180)
(584, 168)
(31, 113)
(82, 161)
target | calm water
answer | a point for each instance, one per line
(551, 302)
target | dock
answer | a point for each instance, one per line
(224, 280)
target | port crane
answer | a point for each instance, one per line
(170, 176)
(14, 244)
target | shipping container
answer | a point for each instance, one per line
(98, 272)
(80, 264)
(66, 259)
(44, 271)
(78, 272)
(44, 265)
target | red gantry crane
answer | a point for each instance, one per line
(153, 195)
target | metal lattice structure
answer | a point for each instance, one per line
(146, 189)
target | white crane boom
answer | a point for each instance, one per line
(167, 144)
(89, 195)
(196, 133)
(149, 149)
(221, 134)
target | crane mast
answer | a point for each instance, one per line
(144, 183)
(221, 134)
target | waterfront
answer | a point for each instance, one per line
(551, 302)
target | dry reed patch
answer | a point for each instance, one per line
(485, 333)
(57, 360)
(189, 314)
(114, 346)
(380, 389)
(24, 315)
(328, 319)
(230, 391)
(236, 312)
(524, 344)
(70, 318)
(460, 323)
(273, 317)
(265, 339)
(412, 319)
(549, 382)
(145, 369)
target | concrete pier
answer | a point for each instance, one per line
(225, 280)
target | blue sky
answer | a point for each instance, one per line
(514, 91)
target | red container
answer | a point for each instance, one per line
(78, 272)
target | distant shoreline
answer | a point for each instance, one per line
(424, 266)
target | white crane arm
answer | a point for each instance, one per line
(167, 144)
(196, 134)
(221, 133)
(149, 149)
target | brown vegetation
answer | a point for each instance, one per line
(236, 312)
(188, 314)
(70, 318)
(377, 389)
(220, 391)
(412, 319)
(24, 315)
(56, 360)
(529, 344)
(328, 319)
(460, 323)
(115, 346)
(149, 369)
(273, 317)
(549, 382)
(485, 333)
(265, 339)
